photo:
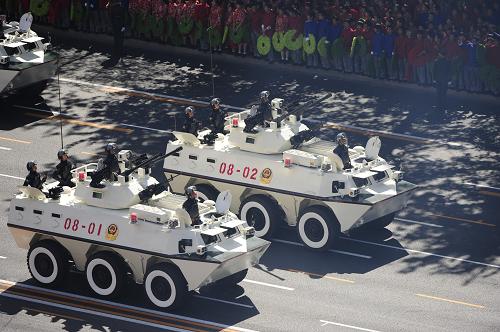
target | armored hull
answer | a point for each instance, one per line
(272, 178)
(107, 232)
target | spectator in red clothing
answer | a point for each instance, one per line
(255, 17)
(282, 26)
(267, 27)
(347, 35)
(201, 13)
(401, 54)
(431, 44)
(215, 23)
(296, 22)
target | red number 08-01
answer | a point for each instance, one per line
(247, 171)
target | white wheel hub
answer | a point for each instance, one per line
(165, 277)
(316, 218)
(99, 262)
(36, 274)
(267, 220)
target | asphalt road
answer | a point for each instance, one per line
(436, 268)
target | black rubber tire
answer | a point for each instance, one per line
(177, 280)
(232, 279)
(381, 222)
(260, 202)
(59, 255)
(208, 191)
(323, 217)
(119, 269)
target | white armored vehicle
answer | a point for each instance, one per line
(25, 63)
(132, 226)
(281, 171)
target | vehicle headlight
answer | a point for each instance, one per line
(353, 192)
(398, 175)
(201, 250)
(249, 231)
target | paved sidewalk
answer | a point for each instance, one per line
(104, 39)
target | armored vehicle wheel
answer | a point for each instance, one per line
(260, 213)
(165, 286)
(232, 279)
(105, 274)
(48, 263)
(317, 228)
(206, 192)
(380, 222)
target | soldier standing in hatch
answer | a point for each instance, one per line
(191, 205)
(190, 124)
(262, 115)
(63, 170)
(34, 179)
(342, 150)
(109, 167)
(217, 117)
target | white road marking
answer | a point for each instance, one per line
(326, 322)
(268, 285)
(3, 257)
(224, 301)
(331, 250)
(76, 118)
(418, 222)
(481, 185)
(11, 176)
(4, 148)
(161, 95)
(120, 305)
(92, 312)
(423, 252)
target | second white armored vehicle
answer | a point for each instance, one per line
(282, 172)
(26, 64)
(132, 226)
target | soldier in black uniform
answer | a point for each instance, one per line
(117, 12)
(190, 124)
(342, 150)
(110, 166)
(63, 170)
(191, 205)
(217, 117)
(34, 179)
(262, 115)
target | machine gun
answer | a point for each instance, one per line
(150, 161)
(298, 110)
(152, 190)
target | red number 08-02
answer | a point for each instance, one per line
(247, 171)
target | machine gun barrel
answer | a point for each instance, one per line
(151, 161)
(300, 109)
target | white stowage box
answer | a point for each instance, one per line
(151, 213)
(302, 158)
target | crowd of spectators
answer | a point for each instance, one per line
(384, 39)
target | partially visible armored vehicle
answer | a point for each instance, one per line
(132, 226)
(26, 64)
(281, 171)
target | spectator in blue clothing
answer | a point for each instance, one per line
(323, 29)
(388, 45)
(334, 31)
(311, 28)
(471, 66)
(377, 51)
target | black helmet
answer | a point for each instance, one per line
(30, 164)
(341, 139)
(190, 190)
(111, 148)
(189, 109)
(61, 153)
(215, 102)
(264, 95)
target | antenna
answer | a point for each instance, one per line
(210, 29)
(60, 104)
